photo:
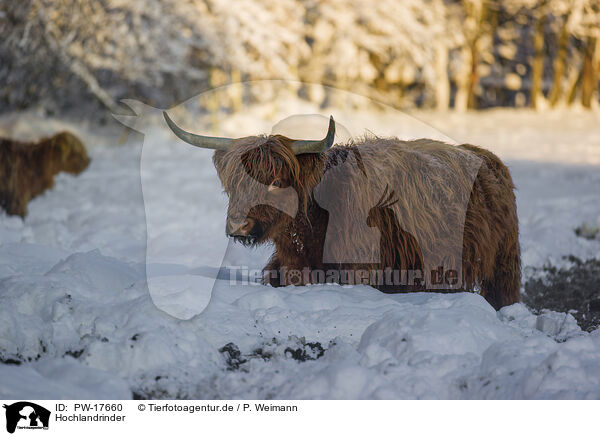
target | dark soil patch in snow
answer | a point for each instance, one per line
(574, 288)
(157, 387)
(293, 348)
(154, 394)
(10, 361)
(233, 356)
(17, 359)
(310, 351)
(76, 354)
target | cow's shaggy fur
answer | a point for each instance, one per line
(425, 197)
(28, 169)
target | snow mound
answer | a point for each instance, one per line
(89, 322)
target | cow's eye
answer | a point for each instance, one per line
(275, 184)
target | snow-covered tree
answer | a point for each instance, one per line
(389, 46)
(428, 53)
(585, 25)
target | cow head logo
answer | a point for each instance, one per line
(26, 415)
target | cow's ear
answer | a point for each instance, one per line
(311, 168)
(218, 158)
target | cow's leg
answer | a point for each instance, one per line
(272, 272)
(17, 205)
(503, 287)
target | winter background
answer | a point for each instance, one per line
(519, 77)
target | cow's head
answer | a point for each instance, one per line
(71, 155)
(268, 178)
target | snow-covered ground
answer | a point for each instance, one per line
(75, 308)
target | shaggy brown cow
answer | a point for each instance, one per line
(435, 210)
(28, 169)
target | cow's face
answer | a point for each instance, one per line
(261, 176)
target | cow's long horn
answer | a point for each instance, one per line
(212, 142)
(303, 146)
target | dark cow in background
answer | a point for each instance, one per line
(408, 190)
(28, 168)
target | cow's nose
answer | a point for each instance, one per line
(239, 226)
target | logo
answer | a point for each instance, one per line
(26, 415)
